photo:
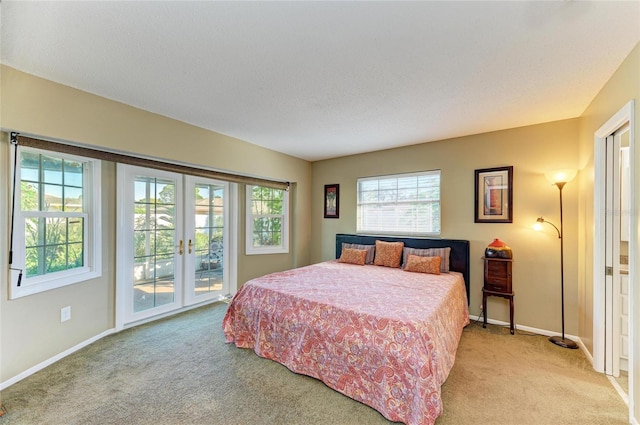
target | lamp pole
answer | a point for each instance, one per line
(563, 342)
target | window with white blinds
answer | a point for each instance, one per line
(400, 204)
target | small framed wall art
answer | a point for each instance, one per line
(331, 201)
(494, 195)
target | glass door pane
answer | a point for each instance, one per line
(154, 235)
(207, 220)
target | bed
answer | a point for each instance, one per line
(384, 336)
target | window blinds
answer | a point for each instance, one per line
(400, 204)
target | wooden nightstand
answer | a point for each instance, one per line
(497, 283)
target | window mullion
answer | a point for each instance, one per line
(266, 230)
(55, 218)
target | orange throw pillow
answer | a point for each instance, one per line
(388, 254)
(418, 264)
(353, 256)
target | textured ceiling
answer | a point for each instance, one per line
(324, 79)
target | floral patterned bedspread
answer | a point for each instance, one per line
(382, 336)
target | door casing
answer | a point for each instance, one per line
(625, 115)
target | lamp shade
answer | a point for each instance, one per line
(560, 176)
(537, 226)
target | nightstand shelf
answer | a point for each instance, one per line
(497, 283)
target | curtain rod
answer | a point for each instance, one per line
(144, 162)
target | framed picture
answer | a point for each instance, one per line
(494, 195)
(331, 201)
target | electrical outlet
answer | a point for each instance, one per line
(65, 313)
(480, 307)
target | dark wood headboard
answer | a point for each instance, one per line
(459, 260)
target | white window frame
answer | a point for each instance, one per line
(251, 249)
(399, 231)
(93, 218)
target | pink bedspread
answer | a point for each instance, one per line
(382, 336)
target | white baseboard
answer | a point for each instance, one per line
(539, 332)
(619, 389)
(50, 361)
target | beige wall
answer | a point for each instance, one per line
(531, 151)
(623, 86)
(30, 328)
(30, 331)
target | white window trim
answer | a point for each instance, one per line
(93, 248)
(397, 233)
(250, 249)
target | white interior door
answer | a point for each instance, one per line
(616, 294)
(621, 298)
(612, 232)
(623, 337)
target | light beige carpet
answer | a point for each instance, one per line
(180, 371)
(500, 378)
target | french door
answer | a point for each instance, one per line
(207, 230)
(173, 233)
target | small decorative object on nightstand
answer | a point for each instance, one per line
(497, 277)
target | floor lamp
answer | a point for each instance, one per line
(560, 178)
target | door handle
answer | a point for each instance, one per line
(181, 250)
(190, 246)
